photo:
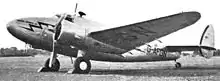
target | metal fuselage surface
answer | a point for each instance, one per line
(39, 32)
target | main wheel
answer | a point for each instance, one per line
(55, 65)
(82, 65)
(178, 65)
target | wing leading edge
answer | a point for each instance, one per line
(130, 36)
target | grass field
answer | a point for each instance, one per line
(194, 68)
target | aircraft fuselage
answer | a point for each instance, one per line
(39, 32)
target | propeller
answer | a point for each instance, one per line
(76, 8)
(70, 17)
(58, 26)
(56, 36)
(75, 11)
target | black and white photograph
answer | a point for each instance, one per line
(109, 40)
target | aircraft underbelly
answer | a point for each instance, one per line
(140, 58)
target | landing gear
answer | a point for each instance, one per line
(81, 65)
(178, 65)
(55, 66)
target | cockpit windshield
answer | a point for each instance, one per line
(71, 17)
(68, 17)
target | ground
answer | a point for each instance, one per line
(194, 68)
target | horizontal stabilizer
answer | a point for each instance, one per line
(187, 48)
(206, 47)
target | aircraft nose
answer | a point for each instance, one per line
(17, 29)
(14, 30)
(11, 28)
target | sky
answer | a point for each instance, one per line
(114, 13)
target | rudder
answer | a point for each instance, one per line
(207, 38)
(207, 42)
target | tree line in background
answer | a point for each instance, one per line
(13, 51)
(217, 52)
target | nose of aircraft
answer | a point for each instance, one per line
(13, 29)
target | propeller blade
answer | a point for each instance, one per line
(53, 54)
(58, 27)
(76, 8)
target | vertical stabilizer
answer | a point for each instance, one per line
(208, 38)
(207, 42)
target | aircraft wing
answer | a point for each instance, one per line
(130, 36)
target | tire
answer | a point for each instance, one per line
(178, 65)
(55, 65)
(79, 69)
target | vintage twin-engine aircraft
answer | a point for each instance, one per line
(67, 36)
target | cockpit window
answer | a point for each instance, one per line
(68, 17)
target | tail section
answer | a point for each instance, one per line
(208, 38)
(205, 48)
(207, 42)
